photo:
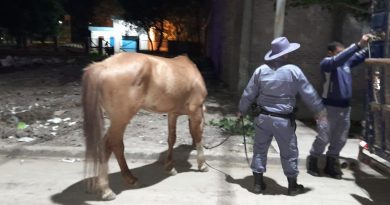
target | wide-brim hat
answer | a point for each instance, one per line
(279, 47)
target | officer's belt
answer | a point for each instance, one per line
(274, 114)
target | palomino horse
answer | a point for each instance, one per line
(122, 85)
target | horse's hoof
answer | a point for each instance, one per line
(108, 195)
(132, 183)
(135, 184)
(203, 168)
(171, 172)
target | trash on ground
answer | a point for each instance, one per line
(71, 123)
(26, 139)
(22, 125)
(55, 120)
(13, 120)
(71, 160)
(59, 112)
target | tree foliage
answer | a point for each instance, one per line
(81, 12)
(31, 18)
(103, 12)
(187, 16)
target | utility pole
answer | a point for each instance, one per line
(279, 18)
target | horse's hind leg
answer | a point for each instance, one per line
(172, 119)
(114, 142)
(106, 192)
(196, 129)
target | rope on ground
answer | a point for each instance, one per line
(222, 172)
(223, 141)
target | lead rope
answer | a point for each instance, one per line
(246, 151)
(369, 49)
(243, 134)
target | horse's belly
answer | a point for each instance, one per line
(164, 105)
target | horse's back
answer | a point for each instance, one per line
(151, 82)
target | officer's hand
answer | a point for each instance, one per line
(322, 117)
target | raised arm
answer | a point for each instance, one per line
(329, 63)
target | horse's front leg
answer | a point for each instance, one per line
(169, 166)
(196, 122)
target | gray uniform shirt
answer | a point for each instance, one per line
(275, 90)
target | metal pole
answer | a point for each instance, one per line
(279, 18)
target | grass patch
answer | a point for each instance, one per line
(234, 126)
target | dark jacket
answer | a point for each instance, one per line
(336, 71)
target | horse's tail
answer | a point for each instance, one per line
(93, 124)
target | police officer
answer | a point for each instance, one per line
(274, 87)
(337, 93)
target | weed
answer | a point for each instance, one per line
(234, 126)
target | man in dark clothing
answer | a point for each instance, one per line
(337, 93)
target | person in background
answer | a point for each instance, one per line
(337, 93)
(274, 87)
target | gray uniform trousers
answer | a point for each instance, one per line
(266, 128)
(336, 133)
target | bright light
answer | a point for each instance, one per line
(60, 22)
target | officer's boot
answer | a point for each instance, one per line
(293, 187)
(332, 167)
(259, 183)
(313, 166)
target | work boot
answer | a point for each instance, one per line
(259, 183)
(313, 166)
(293, 187)
(332, 167)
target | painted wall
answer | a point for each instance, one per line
(120, 28)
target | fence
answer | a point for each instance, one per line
(377, 115)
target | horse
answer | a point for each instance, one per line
(118, 87)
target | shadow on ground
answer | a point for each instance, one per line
(273, 188)
(377, 187)
(147, 175)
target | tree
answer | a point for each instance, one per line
(24, 19)
(45, 17)
(104, 11)
(81, 12)
(188, 17)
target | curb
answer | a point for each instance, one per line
(181, 153)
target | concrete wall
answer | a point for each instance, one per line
(311, 27)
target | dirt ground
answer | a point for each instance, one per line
(40, 105)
